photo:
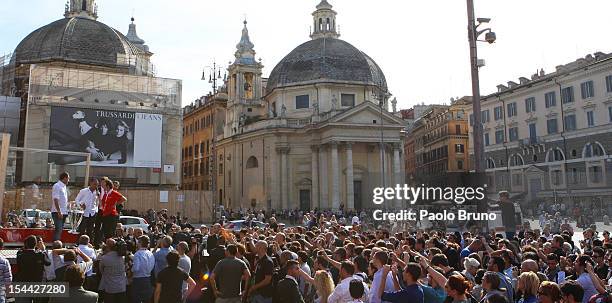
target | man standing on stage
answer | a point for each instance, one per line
(87, 199)
(110, 216)
(59, 206)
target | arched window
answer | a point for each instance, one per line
(84, 5)
(555, 155)
(252, 162)
(593, 150)
(516, 160)
(490, 163)
(327, 25)
(320, 24)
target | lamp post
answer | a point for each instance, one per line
(381, 94)
(214, 75)
(473, 34)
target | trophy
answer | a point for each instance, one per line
(75, 215)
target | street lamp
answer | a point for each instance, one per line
(214, 75)
(490, 37)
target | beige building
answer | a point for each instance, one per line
(549, 136)
(311, 137)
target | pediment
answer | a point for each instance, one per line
(366, 113)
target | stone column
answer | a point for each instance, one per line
(396, 169)
(350, 191)
(335, 176)
(314, 195)
(284, 177)
(383, 170)
(323, 176)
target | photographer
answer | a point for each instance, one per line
(113, 273)
(143, 264)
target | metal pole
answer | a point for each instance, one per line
(477, 127)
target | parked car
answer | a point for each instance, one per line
(237, 225)
(29, 215)
(134, 222)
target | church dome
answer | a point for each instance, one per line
(326, 60)
(78, 40)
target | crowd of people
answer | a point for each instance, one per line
(326, 257)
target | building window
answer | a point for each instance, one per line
(569, 123)
(485, 116)
(609, 83)
(252, 162)
(551, 126)
(517, 180)
(459, 148)
(610, 113)
(590, 119)
(530, 105)
(190, 151)
(533, 134)
(486, 139)
(556, 177)
(459, 164)
(458, 129)
(513, 134)
(587, 90)
(197, 150)
(220, 168)
(567, 95)
(593, 150)
(347, 100)
(574, 176)
(555, 155)
(550, 99)
(302, 101)
(511, 109)
(490, 163)
(498, 113)
(595, 174)
(471, 119)
(516, 160)
(499, 136)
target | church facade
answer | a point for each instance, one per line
(315, 134)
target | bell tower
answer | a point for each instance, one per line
(244, 86)
(82, 9)
(324, 21)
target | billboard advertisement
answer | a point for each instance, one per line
(113, 138)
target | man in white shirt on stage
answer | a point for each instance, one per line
(87, 199)
(59, 205)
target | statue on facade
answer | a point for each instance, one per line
(242, 119)
(394, 104)
(270, 111)
(315, 107)
(334, 102)
(283, 111)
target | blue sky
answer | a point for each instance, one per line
(420, 45)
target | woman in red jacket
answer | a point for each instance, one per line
(110, 216)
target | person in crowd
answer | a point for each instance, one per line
(356, 289)
(457, 287)
(169, 282)
(553, 271)
(584, 278)
(59, 205)
(381, 258)
(87, 199)
(471, 266)
(143, 263)
(184, 261)
(110, 200)
(491, 285)
(75, 277)
(262, 290)
(6, 275)
(527, 286)
(497, 265)
(341, 292)
(412, 291)
(113, 272)
(288, 289)
(572, 292)
(70, 258)
(549, 292)
(601, 268)
(508, 214)
(232, 275)
(160, 251)
(31, 263)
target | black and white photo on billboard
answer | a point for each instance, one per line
(108, 136)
